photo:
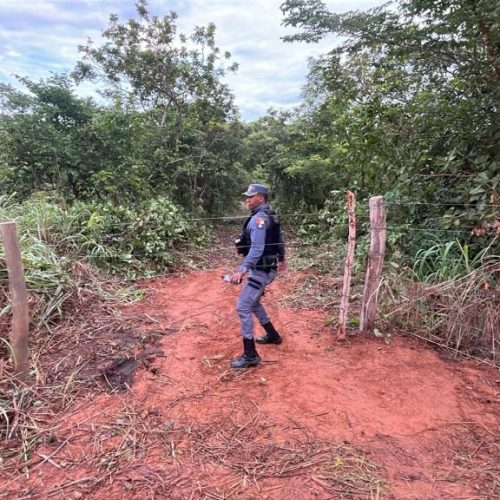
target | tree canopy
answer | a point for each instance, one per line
(405, 104)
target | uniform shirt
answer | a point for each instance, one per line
(257, 228)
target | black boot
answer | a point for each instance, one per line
(271, 336)
(250, 357)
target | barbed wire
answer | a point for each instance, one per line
(210, 250)
(412, 203)
(321, 212)
(466, 230)
(213, 249)
(239, 217)
(135, 224)
(130, 254)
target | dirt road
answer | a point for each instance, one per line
(316, 419)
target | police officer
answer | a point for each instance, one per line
(261, 242)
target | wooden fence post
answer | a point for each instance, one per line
(20, 313)
(349, 260)
(378, 237)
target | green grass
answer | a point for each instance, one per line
(448, 261)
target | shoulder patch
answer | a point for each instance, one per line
(260, 221)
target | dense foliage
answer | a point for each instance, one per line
(169, 126)
(405, 105)
(57, 239)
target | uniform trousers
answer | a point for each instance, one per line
(249, 301)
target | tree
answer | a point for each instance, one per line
(171, 74)
(188, 112)
(409, 100)
(45, 140)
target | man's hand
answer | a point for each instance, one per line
(237, 278)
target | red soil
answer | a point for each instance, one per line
(191, 427)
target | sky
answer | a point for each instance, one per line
(40, 37)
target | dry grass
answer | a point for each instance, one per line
(474, 460)
(67, 362)
(242, 442)
(239, 453)
(310, 290)
(234, 455)
(462, 315)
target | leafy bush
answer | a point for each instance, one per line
(61, 245)
(138, 240)
(327, 223)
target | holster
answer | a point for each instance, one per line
(267, 263)
(241, 246)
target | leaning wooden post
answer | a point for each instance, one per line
(349, 260)
(378, 237)
(20, 313)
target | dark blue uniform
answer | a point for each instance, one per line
(259, 275)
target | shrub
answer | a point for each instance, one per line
(136, 240)
(60, 243)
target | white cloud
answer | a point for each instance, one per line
(12, 53)
(40, 36)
